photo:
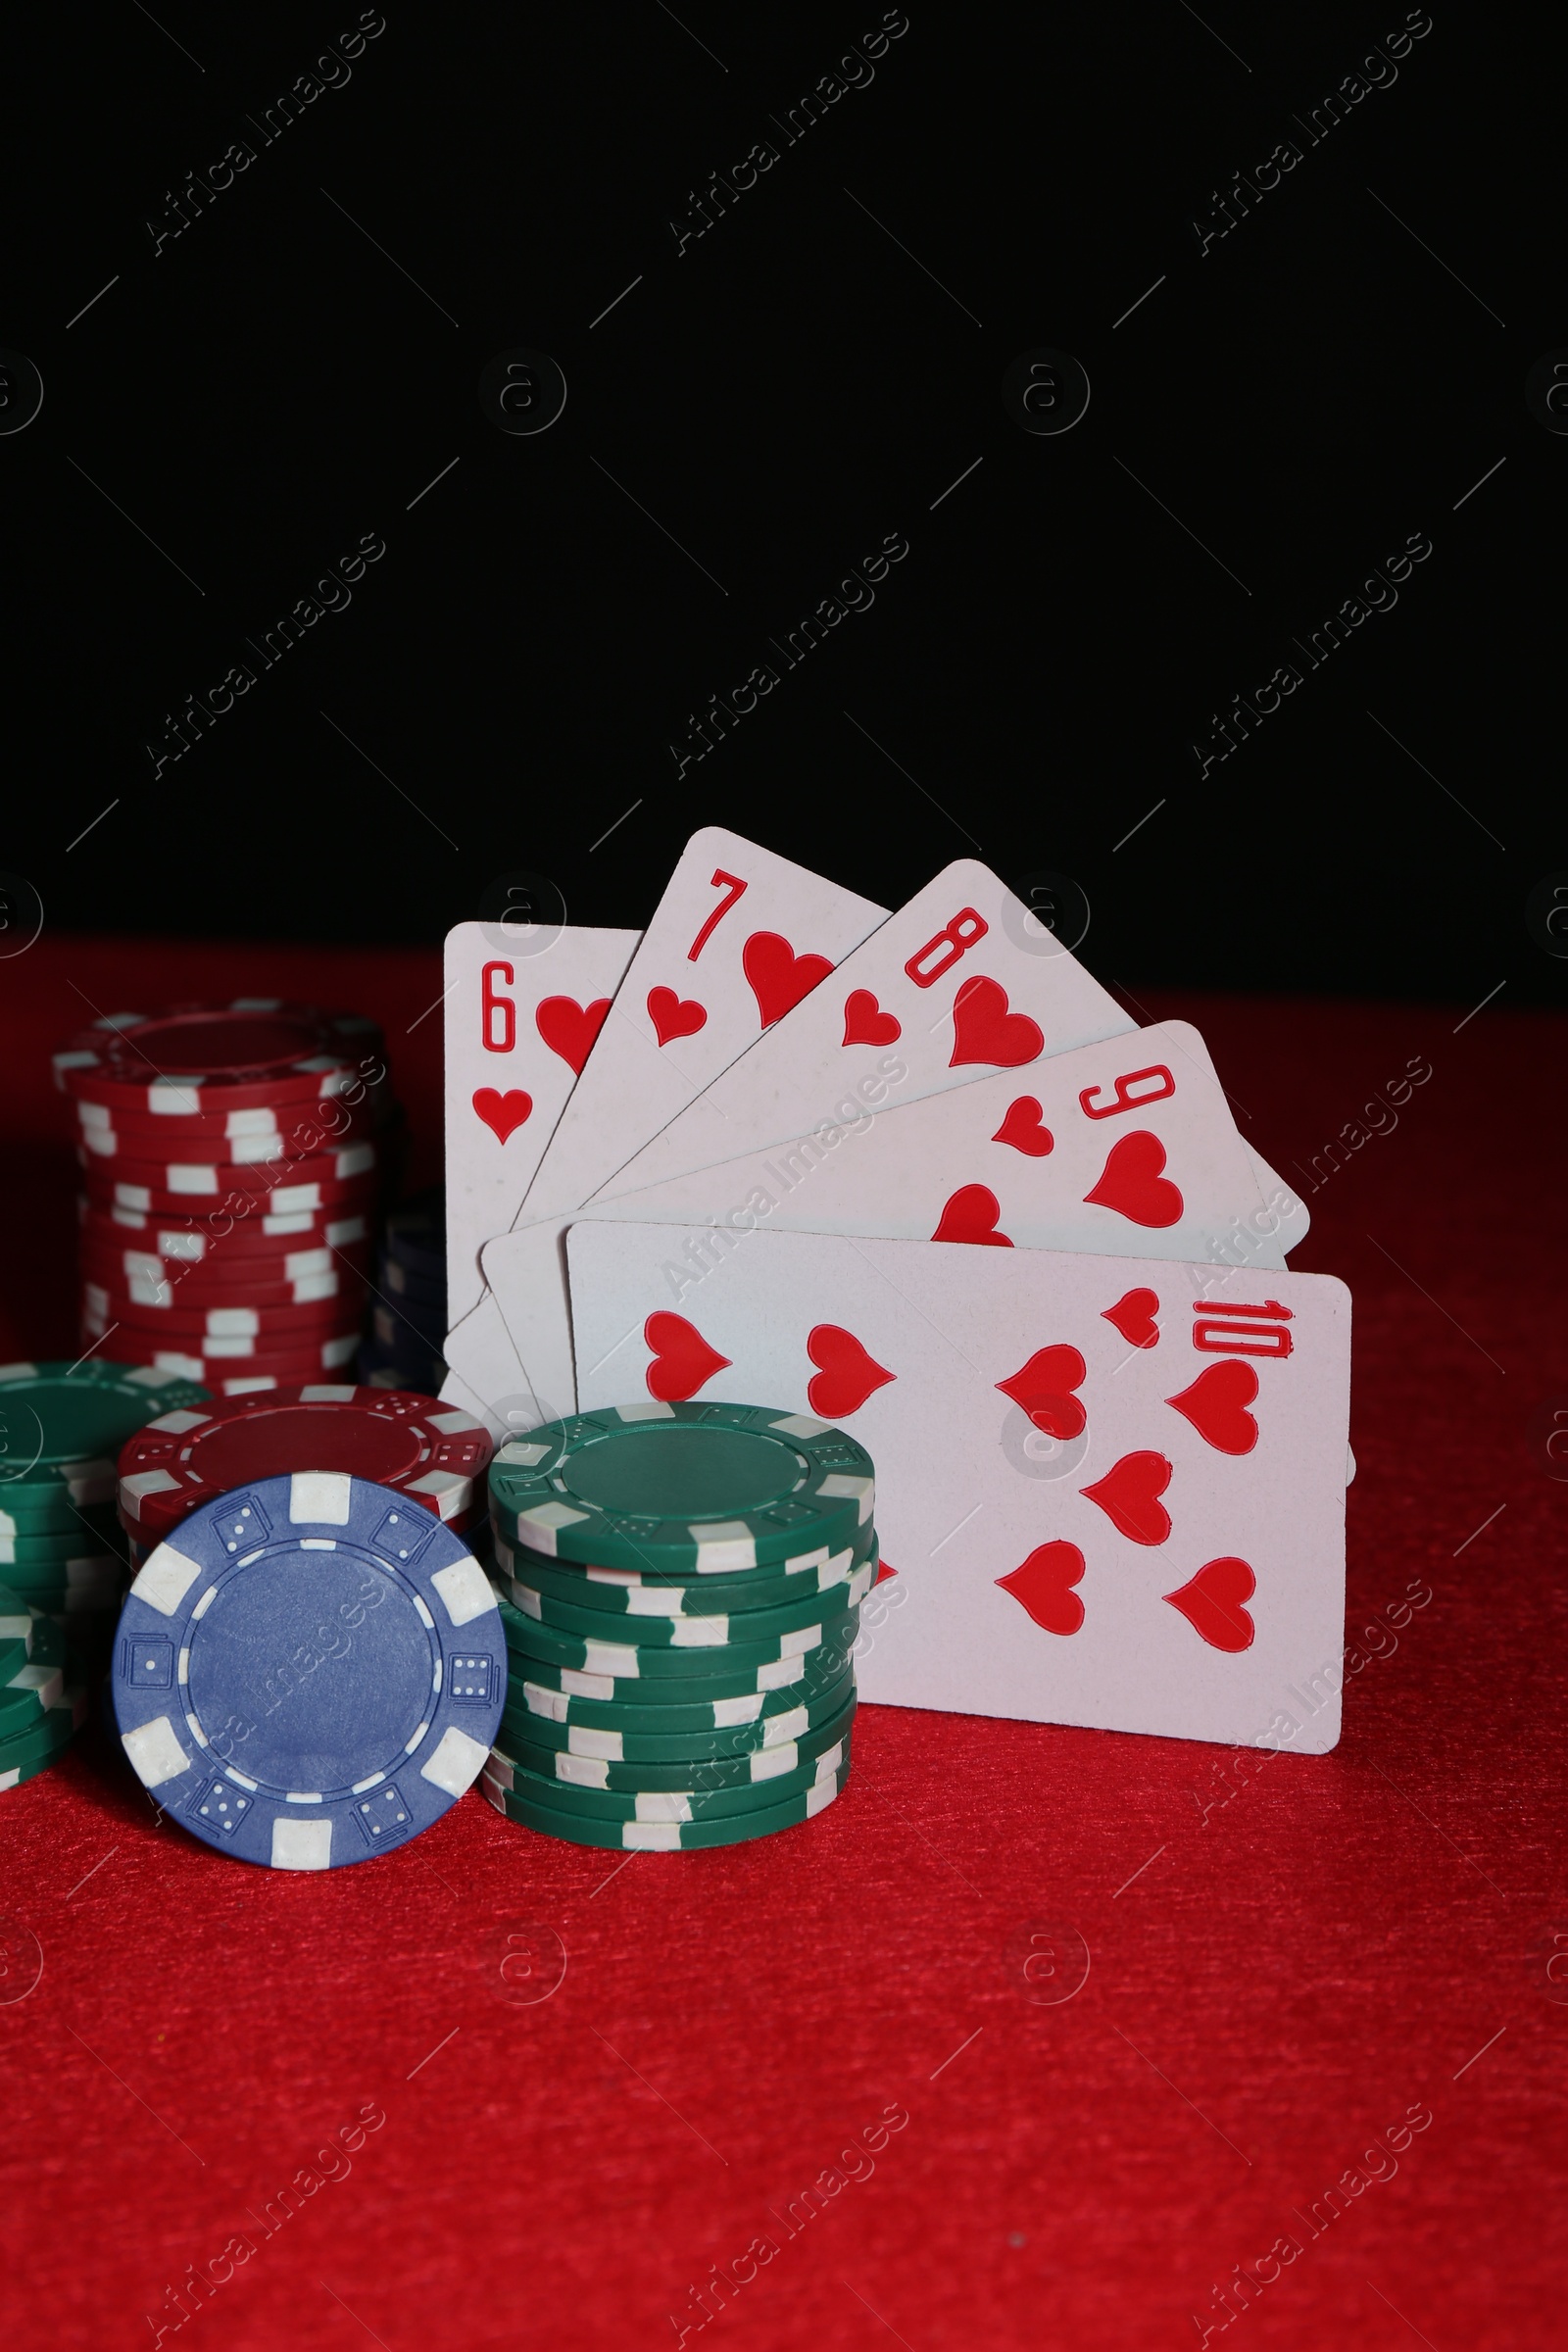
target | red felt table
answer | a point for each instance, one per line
(1304, 1974)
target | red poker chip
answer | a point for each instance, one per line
(327, 1361)
(160, 1287)
(288, 1324)
(209, 1180)
(254, 1053)
(307, 1197)
(434, 1452)
(263, 1236)
(242, 1139)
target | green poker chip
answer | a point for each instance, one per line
(85, 1532)
(706, 1489)
(63, 1425)
(629, 1736)
(55, 1728)
(672, 1700)
(695, 1802)
(715, 1629)
(728, 1664)
(684, 1773)
(28, 1768)
(638, 1592)
(30, 1690)
(663, 1836)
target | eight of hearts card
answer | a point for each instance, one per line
(1112, 1488)
(523, 1005)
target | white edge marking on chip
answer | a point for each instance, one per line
(327, 1396)
(578, 1684)
(724, 1546)
(730, 1711)
(524, 1598)
(583, 1772)
(518, 1450)
(1349, 1465)
(155, 1752)
(818, 1800)
(457, 1763)
(499, 1769)
(142, 1483)
(303, 1796)
(618, 1659)
(550, 1703)
(177, 1422)
(321, 1498)
(782, 1670)
(801, 1425)
(651, 1836)
(644, 1600)
(449, 1489)
(772, 1763)
(19, 1372)
(841, 1486)
(164, 1580)
(542, 1524)
(664, 1804)
(451, 1422)
(792, 1726)
(699, 1632)
(301, 1844)
(583, 1740)
(464, 1590)
(796, 1645)
(827, 1764)
(644, 1412)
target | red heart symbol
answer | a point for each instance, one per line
(1042, 1387)
(682, 1359)
(1044, 1585)
(1212, 1603)
(570, 1028)
(779, 977)
(1132, 1185)
(847, 1374)
(673, 1015)
(864, 1021)
(503, 1113)
(1025, 1130)
(1129, 1496)
(971, 1216)
(984, 1030)
(1216, 1405)
(1133, 1315)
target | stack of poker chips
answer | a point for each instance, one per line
(232, 1157)
(62, 1555)
(431, 1453)
(680, 1590)
(409, 1318)
(40, 1711)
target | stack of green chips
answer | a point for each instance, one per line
(43, 1692)
(680, 1589)
(62, 1427)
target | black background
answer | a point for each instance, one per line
(796, 385)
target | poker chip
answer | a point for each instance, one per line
(432, 1453)
(159, 1286)
(627, 1593)
(687, 1629)
(231, 1138)
(184, 1180)
(729, 1664)
(308, 1671)
(685, 1771)
(80, 1534)
(30, 1753)
(415, 1237)
(254, 1052)
(34, 1687)
(669, 1710)
(663, 1836)
(544, 1718)
(213, 1241)
(64, 1424)
(303, 1362)
(712, 1488)
(695, 1801)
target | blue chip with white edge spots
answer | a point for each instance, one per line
(308, 1671)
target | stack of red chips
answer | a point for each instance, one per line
(232, 1157)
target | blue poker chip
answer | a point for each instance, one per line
(308, 1671)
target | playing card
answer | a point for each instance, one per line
(1112, 1488)
(739, 937)
(522, 1006)
(962, 981)
(484, 1376)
